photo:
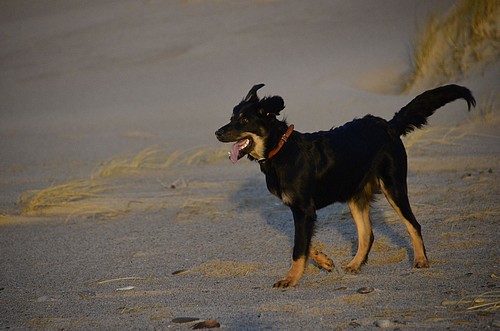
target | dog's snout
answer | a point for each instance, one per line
(220, 134)
(223, 134)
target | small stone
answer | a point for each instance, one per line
(383, 323)
(365, 290)
(185, 319)
(179, 183)
(208, 324)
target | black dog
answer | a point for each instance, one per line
(309, 171)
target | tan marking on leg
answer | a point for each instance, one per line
(321, 259)
(361, 216)
(294, 274)
(419, 259)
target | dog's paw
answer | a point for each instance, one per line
(322, 260)
(423, 263)
(328, 265)
(284, 283)
(352, 269)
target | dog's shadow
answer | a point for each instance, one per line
(332, 221)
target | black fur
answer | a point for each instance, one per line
(346, 164)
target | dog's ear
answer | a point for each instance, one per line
(252, 94)
(272, 105)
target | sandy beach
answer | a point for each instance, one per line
(119, 210)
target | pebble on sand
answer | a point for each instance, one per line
(366, 290)
(185, 319)
(208, 324)
(383, 323)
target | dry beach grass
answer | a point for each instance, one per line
(453, 44)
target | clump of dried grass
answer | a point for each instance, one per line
(146, 159)
(95, 197)
(77, 199)
(59, 195)
(157, 158)
(453, 43)
(487, 112)
(488, 301)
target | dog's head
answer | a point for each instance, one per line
(251, 125)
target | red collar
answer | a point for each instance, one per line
(282, 141)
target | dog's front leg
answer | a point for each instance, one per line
(303, 218)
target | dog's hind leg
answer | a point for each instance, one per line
(396, 194)
(360, 211)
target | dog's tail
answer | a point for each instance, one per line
(414, 115)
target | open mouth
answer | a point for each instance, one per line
(239, 149)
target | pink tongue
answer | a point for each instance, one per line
(235, 151)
